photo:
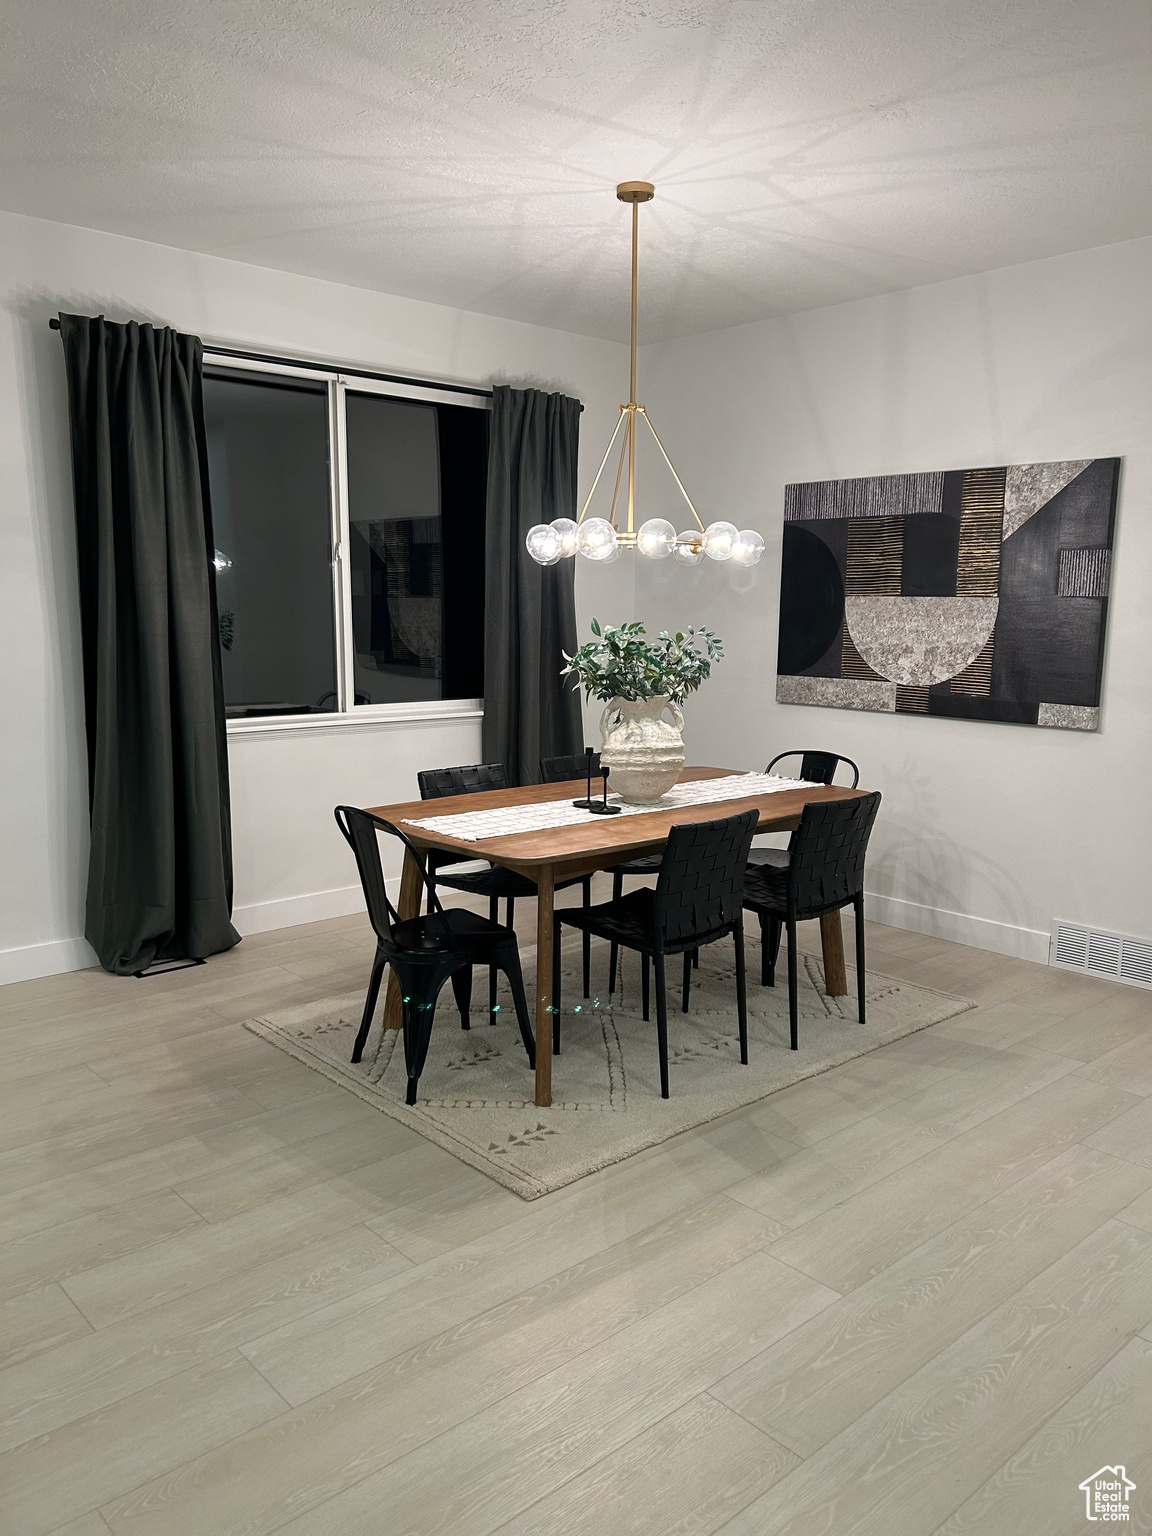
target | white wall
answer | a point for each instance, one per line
(987, 832)
(290, 863)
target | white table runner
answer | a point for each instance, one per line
(471, 826)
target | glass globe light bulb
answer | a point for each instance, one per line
(719, 539)
(566, 530)
(748, 548)
(656, 538)
(542, 544)
(597, 539)
(689, 547)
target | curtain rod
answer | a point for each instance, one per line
(358, 373)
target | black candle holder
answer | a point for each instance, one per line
(602, 808)
(587, 804)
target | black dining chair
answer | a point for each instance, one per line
(569, 765)
(425, 952)
(697, 900)
(492, 881)
(821, 870)
(816, 768)
(574, 765)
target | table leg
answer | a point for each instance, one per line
(545, 893)
(832, 941)
(408, 905)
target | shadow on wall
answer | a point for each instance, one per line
(916, 861)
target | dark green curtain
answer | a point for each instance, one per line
(160, 869)
(530, 610)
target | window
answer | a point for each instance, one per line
(269, 479)
(349, 526)
(417, 476)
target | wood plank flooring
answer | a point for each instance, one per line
(910, 1296)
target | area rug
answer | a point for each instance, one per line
(476, 1093)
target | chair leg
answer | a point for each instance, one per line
(741, 989)
(793, 1000)
(511, 968)
(419, 1013)
(769, 948)
(858, 903)
(557, 935)
(644, 986)
(587, 940)
(493, 917)
(510, 909)
(369, 1006)
(687, 980)
(695, 959)
(614, 952)
(462, 991)
(661, 1019)
(410, 1048)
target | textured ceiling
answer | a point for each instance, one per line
(466, 151)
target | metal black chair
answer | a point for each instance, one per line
(697, 900)
(821, 870)
(817, 767)
(491, 881)
(425, 952)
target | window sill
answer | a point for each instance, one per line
(366, 717)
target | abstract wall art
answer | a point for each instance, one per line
(979, 594)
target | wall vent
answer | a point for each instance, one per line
(1096, 953)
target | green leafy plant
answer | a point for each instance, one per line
(620, 663)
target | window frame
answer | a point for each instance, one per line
(346, 715)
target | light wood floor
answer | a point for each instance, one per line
(913, 1295)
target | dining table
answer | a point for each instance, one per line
(551, 855)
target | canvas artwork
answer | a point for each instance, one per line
(979, 594)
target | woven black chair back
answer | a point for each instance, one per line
(360, 828)
(700, 887)
(827, 851)
(435, 783)
(438, 783)
(818, 767)
(570, 765)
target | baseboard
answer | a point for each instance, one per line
(31, 961)
(959, 927)
(314, 906)
(291, 911)
(59, 955)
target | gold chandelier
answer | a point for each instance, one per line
(601, 538)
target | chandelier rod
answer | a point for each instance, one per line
(632, 375)
(671, 467)
(620, 467)
(600, 471)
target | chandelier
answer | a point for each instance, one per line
(601, 538)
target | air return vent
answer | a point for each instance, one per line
(1095, 953)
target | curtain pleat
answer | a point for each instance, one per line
(530, 610)
(160, 868)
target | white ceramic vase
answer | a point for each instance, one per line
(644, 754)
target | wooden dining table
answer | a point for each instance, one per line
(551, 856)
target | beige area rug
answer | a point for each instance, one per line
(476, 1093)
